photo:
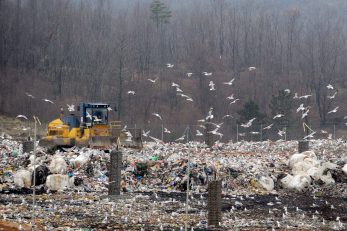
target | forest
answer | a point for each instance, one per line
(130, 54)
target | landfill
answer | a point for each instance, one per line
(265, 185)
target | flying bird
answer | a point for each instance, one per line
(96, 119)
(207, 73)
(230, 82)
(231, 97)
(167, 130)
(305, 114)
(189, 74)
(169, 65)
(235, 100)
(309, 135)
(304, 96)
(155, 139)
(252, 68)
(278, 116)
(153, 80)
(330, 87)
(181, 138)
(254, 133)
(109, 109)
(157, 115)
(70, 107)
(89, 116)
(287, 91)
(210, 115)
(334, 110)
(145, 134)
(29, 95)
(323, 131)
(300, 108)
(281, 133)
(295, 96)
(211, 84)
(332, 96)
(49, 101)
(175, 85)
(215, 132)
(248, 124)
(22, 116)
(198, 133)
(178, 89)
(227, 116)
(131, 92)
(268, 127)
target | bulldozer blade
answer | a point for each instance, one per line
(56, 142)
(101, 142)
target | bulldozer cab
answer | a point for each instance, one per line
(94, 113)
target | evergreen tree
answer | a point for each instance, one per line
(160, 13)
(251, 110)
(282, 104)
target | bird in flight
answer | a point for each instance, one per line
(198, 133)
(145, 134)
(252, 68)
(131, 92)
(300, 108)
(49, 101)
(281, 133)
(309, 135)
(227, 116)
(304, 96)
(296, 96)
(157, 115)
(211, 84)
(332, 96)
(254, 133)
(334, 110)
(248, 124)
(22, 116)
(109, 109)
(155, 139)
(278, 116)
(231, 97)
(230, 82)
(287, 91)
(305, 114)
(207, 73)
(210, 115)
(169, 65)
(96, 119)
(89, 115)
(175, 85)
(268, 127)
(235, 100)
(330, 87)
(153, 80)
(167, 130)
(181, 138)
(178, 89)
(189, 74)
(70, 107)
(29, 95)
(215, 132)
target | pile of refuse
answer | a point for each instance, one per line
(243, 167)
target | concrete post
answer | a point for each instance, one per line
(214, 203)
(115, 172)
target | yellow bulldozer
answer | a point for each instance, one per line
(91, 129)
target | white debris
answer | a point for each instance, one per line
(22, 178)
(59, 182)
(58, 165)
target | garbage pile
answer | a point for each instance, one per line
(74, 180)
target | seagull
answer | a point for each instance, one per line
(330, 136)
(29, 95)
(242, 134)
(268, 127)
(145, 134)
(167, 130)
(231, 97)
(153, 80)
(278, 116)
(175, 85)
(178, 89)
(22, 116)
(334, 110)
(305, 114)
(189, 74)
(49, 101)
(255, 133)
(227, 116)
(345, 117)
(181, 138)
(295, 95)
(211, 84)
(131, 92)
(169, 65)
(304, 96)
(155, 139)
(157, 115)
(323, 131)
(309, 135)
(96, 119)
(70, 107)
(209, 116)
(332, 96)
(252, 68)
(207, 73)
(89, 115)
(281, 133)
(198, 133)
(109, 109)
(330, 87)
(230, 82)
(235, 100)
(287, 90)
(215, 132)
(300, 108)
(248, 124)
